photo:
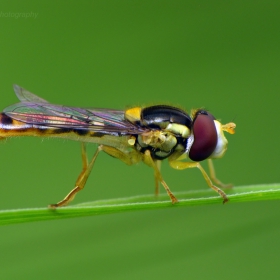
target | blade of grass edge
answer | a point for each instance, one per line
(146, 202)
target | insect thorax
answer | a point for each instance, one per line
(169, 129)
(161, 144)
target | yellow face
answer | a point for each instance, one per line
(221, 142)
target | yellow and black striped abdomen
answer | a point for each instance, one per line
(10, 127)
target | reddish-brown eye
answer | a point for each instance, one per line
(205, 137)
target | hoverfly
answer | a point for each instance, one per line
(148, 134)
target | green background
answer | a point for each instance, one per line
(222, 55)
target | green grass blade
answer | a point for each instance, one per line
(190, 198)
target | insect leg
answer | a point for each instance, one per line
(133, 157)
(213, 176)
(152, 163)
(81, 181)
(158, 164)
(179, 165)
(129, 158)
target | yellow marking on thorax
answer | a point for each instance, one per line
(131, 141)
(133, 114)
(179, 129)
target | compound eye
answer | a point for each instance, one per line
(205, 137)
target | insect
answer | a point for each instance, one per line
(148, 134)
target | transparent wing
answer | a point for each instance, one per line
(25, 95)
(35, 110)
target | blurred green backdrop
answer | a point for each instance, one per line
(222, 55)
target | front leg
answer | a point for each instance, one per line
(214, 178)
(179, 165)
